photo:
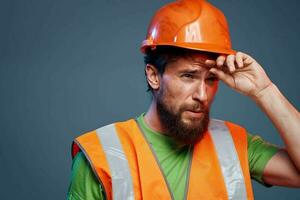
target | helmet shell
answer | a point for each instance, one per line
(190, 24)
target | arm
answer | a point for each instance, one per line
(245, 75)
(284, 168)
(84, 184)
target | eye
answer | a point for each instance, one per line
(187, 75)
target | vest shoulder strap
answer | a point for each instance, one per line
(122, 186)
(91, 146)
(228, 159)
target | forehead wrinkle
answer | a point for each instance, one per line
(197, 67)
(191, 63)
(198, 61)
(200, 65)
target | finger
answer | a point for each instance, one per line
(239, 59)
(220, 61)
(226, 78)
(210, 63)
(247, 60)
(230, 63)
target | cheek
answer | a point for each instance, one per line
(181, 91)
(175, 94)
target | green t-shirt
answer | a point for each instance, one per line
(174, 162)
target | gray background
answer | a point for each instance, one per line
(67, 67)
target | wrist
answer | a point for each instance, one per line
(265, 93)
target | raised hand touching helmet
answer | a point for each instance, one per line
(241, 72)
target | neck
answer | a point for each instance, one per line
(152, 119)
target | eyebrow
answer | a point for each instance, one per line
(194, 71)
(191, 71)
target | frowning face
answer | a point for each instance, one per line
(187, 89)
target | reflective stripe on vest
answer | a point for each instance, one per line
(122, 185)
(229, 161)
(118, 164)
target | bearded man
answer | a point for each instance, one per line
(175, 150)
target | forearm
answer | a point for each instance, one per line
(285, 117)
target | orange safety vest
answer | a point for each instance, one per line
(127, 167)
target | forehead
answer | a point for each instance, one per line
(192, 61)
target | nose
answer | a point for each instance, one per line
(200, 93)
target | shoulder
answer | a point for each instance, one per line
(84, 184)
(232, 127)
(112, 125)
(238, 133)
(90, 140)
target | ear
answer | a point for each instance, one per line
(153, 76)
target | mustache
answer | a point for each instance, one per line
(194, 108)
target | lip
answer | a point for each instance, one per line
(195, 114)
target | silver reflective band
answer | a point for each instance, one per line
(122, 186)
(228, 159)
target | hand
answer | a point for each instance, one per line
(240, 72)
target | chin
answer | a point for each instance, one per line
(190, 121)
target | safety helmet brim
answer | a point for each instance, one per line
(193, 46)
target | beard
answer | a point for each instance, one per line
(183, 133)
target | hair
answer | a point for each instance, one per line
(161, 56)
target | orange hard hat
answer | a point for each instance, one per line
(190, 24)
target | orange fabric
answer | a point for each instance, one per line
(239, 136)
(147, 178)
(93, 150)
(206, 179)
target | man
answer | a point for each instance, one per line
(175, 151)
